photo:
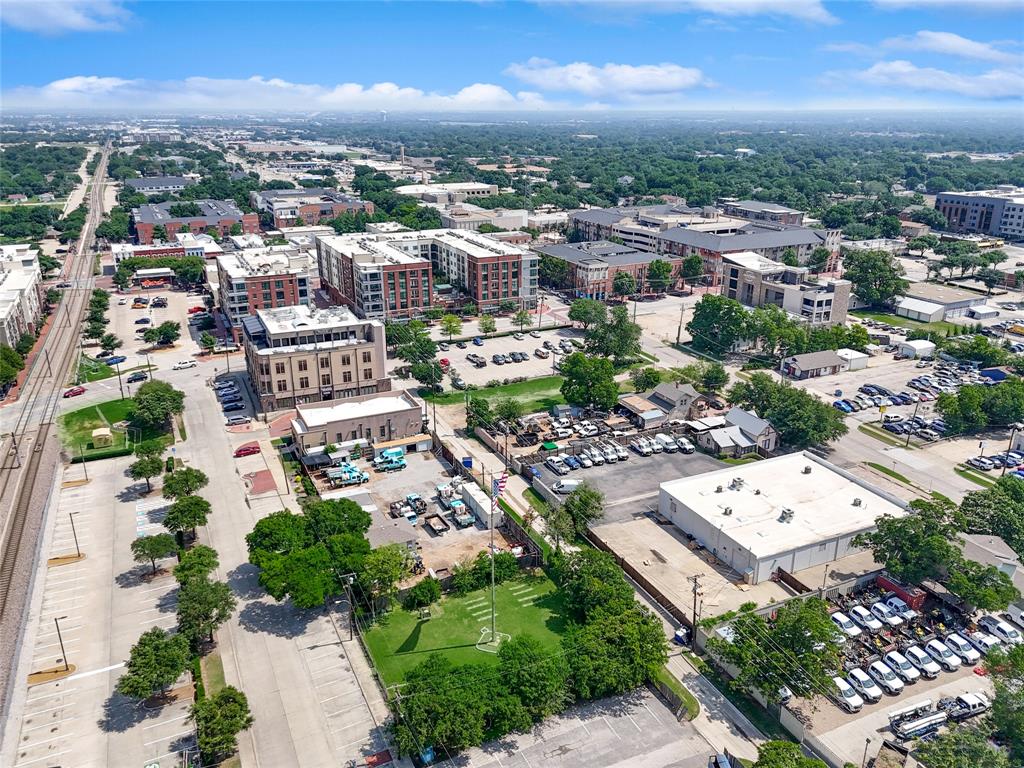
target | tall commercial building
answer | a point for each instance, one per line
(998, 211)
(261, 278)
(302, 354)
(296, 207)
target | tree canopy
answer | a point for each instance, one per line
(589, 381)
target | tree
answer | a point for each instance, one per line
(961, 746)
(718, 323)
(424, 593)
(559, 525)
(451, 325)
(164, 334)
(95, 330)
(327, 518)
(800, 418)
(997, 511)
(383, 569)
(645, 378)
(589, 381)
(784, 754)
(508, 409)
(535, 677)
(715, 377)
(659, 275)
(487, 324)
(584, 506)
(976, 349)
(888, 226)
(203, 605)
(186, 513)
(554, 272)
(623, 284)
(919, 546)
(159, 233)
(156, 402)
(923, 243)
(931, 216)
(109, 342)
(279, 532)
(235, 230)
(156, 661)
(983, 586)
(145, 468)
(198, 563)
(789, 258)
(588, 312)
(819, 259)
(990, 278)
(207, 341)
(469, 309)
(617, 337)
(478, 413)
(428, 374)
(219, 719)
(693, 266)
(521, 319)
(614, 653)
(154, 547)
(184, 482)
(1005, 665)
(148, 448)
(876, 276)
(592, 583)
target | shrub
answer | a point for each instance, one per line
(423, 594)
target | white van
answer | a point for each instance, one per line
(668, 444)
(565, 486)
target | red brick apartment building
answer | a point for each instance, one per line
(294, 207)
(220, 215)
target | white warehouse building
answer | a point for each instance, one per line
(791, 512)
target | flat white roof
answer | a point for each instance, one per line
(314, 418)
(822, 502)
(303, 317)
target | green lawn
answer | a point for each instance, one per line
(77, 426)
(975, 477)
(905, 322)
(400, 640)
(535, 394)
(90, 369)
(888, 471)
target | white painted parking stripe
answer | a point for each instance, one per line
(49, 592)
(351, 725)
(528, 763)
(360, 705)
(165, 722)
(80, 675)
(327, 682)
(48, 725)
(51, 709)
(50, 695)
(166, 738)
(634, 722)
(46, 741)
(40, 759)
(610, 727)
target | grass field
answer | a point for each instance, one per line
(77, 426)
(90, 369)
(534, 394)
(529, 605)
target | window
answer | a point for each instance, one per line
(278, 367)
(346, 360)
(304, 382)
(303, 365)
(346, 377)
(383, 431)
(367, 373)
(265, 369)
(282, 385)
(325, 380)
(366, 357)
(325, 362)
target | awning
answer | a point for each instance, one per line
(315, 460)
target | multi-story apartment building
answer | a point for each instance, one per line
(160, 185)
(755, 281)
(261, 278)
(593, 266)
(20, 289)
(373, 276)
(447, 194)
(307, 206)
(302, 354)
(755, 210)
(998, 211)
(488, 272)
(472, 217)
(220, 215)
(678, 231)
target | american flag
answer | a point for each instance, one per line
(497, 488)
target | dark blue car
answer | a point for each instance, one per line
(233, 407)
(115, 360)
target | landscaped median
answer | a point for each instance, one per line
(967, 473)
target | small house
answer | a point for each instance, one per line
(681, 401)
(855, 361)
(812, 365)
(102, 437)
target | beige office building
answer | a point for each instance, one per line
(302, 354)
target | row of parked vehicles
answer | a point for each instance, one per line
(1007, 460)
(661, 443)
(585, 455)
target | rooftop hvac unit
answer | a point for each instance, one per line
(807, 469)
(757, 491)
(857, 502)
(719, 489)
(727, 511)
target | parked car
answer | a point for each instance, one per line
(231, 397)
(639, 445)
(864, 685)
(234, 421)
(685, 446)
(224, 383)
(556, 465)
(967, 653)
(865, 618)
(122, 301)
(899, 664)
(535, 334)
(1000, 629)
(847, 696)
(944, 657)
(194, 310)
(115, 359)
(924, 663)
(477, 341)
(232, 407)
(181, 365)
(74, 392)
(137, 376)
(571, 461)
(846, 626)
(247, 450)
(885, 614)
(460, 344)
(980, 462)
(143, 321)
(887, 680)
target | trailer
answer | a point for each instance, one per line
(922, 726)
(437, 524)
(911, 712)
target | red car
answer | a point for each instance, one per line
(193, 310)
(443, 362)
(247, 450)
(75, 392)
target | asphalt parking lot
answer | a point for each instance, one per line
(632, 485)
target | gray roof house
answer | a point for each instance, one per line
(812, 364)
(678, 400)
(743, 432)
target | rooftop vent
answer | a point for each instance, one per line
(719, 489)
(857, 502)
(727, 511)
(807, 469)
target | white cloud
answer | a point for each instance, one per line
(995, 5)
(994, 84)
(803, 10)
(259, 93)
(858, 49)
(614, 81)
(949, 44)
(54, 17)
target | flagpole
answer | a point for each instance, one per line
(497, 488)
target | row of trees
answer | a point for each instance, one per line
(975, 407)
(614, 645)
(720, 323)
(801, 419)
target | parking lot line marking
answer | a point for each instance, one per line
(352, 725)
(40, 759)
(50, 709)
(167, 738)
(651, 713)
(165, 722)
(80, 675)
(610, 727)
(528, 764)
(360, 705)
(161, 586)
(634, 722)
(326, 682)
(46, 741)
(50, 695)
(58, 591)
(48, 725)
(64, 630)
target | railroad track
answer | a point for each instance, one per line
(42, 394)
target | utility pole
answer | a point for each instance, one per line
(60, 639)
(679, 330)
(117, 367)
(696, 593)
(497, 487)
(71, 517)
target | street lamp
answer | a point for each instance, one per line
(74, 533)
(867, 743)
(1014, 429)
(60, 639)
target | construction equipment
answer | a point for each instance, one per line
(436, 524)
(416, 502)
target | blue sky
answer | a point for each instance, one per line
(526, 56)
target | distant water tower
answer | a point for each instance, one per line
(383, 116)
